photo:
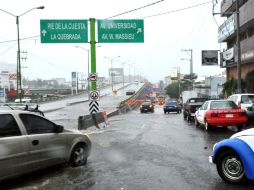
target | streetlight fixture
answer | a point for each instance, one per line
(19, 88)
(111, 62)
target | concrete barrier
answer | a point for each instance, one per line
(99, 120)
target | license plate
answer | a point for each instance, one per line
(229, 115)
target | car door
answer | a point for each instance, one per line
(45, 146)
(13, 147)
(201, 113)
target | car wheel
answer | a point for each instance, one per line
(207, 126)
(184, 116)
(188, 118)
(196, 122)
(78, 155)
(239, 127)
(230, 167)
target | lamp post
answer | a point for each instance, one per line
(190, 60)
(111, 62)
(19, 88)
(88, 52)
(191, 64)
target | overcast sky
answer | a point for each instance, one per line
(165, 37)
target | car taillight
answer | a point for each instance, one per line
(215, 115)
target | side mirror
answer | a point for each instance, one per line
(58, 128)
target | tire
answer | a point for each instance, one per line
(78, 155)
(239, 127)
(207, 126)
(196, 122)
(188, 118)
(165, 112)
(184, 116)
(230, 167)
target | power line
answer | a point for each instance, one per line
(177, 10)
(145, 6)
(27, 38)
(8, 49)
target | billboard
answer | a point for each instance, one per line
(174, 74)
(209, 57)
(115, 71)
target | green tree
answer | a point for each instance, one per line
(172, 90)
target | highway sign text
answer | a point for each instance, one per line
(64, 31)
(120, 31)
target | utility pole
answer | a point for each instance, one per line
(239, 86)
(189, 51)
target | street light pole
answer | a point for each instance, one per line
(111, 64)
(88, 52)
(19, 82)
(191, 65)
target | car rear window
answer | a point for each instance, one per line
(247, 99)
(146, 103)
(220, 105)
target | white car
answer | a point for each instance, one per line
(234, 157)
(245, 101)
(30, 142)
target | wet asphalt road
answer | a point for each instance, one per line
(140, 152)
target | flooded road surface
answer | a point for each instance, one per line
(140, 152)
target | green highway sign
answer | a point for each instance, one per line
(64, 31)
(120, 31)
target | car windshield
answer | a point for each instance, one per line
(220, 105)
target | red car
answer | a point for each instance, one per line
(223, 113)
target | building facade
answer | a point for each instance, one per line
(227, 33)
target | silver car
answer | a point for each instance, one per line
(30, 142)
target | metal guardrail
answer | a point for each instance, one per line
(124, 107)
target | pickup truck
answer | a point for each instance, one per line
(191, 106)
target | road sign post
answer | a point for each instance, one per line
(64, 31)
(120, 31)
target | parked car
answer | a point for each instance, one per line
(245, 101)
(214, 113)
(191, 106)
(30, 142)
(172, 106)
(147, 106)
(234, 157)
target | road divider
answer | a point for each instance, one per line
(99, 120)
